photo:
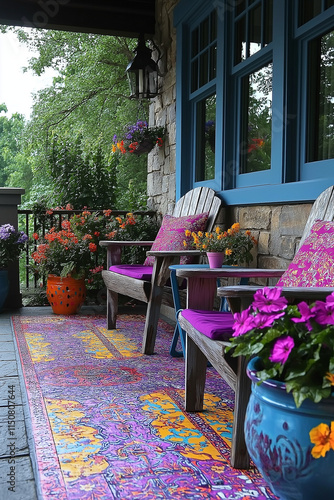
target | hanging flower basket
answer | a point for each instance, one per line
(138, 139)
(140, 148)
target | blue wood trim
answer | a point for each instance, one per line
(293, 192)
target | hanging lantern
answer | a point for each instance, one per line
(142, 73)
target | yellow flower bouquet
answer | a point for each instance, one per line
(235, 244)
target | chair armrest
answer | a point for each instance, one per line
(113, 243)
(306, 293)
(228, 272)
(173, 253)
(240, 297)
(114, 249)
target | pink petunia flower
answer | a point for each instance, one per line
(243, 322)
(266, 320)
(269, 300)
(306, 315)
(324, 312)
(281, 350)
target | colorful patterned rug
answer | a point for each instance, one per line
(109, 423)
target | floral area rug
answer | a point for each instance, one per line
(109, 423)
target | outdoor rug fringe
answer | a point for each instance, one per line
(109, 423)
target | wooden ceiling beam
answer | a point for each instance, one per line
(118, 17)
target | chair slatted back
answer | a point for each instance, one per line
(199, 200)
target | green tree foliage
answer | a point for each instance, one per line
(14, 166)
(82, 178)
(86, 104)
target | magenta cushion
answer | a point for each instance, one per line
(138, 271)
(213, 324)
(313, 264)
(171, 234)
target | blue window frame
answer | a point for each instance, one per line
(256, 77)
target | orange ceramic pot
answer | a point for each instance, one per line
(65, 295)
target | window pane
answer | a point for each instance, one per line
(194, 75)
(255, 30)
(213, 34)
(194, 43)
(268, 22)
(213, 58)
(205, 138)
(203, 68)
(240, 6)
(240, 41)
(255, 147)
(308, 9)
(204, 38)
(329, 3)
(320, 140)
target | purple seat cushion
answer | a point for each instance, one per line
(171, 234)
(213, 324)
(313, 264)
(138, 271)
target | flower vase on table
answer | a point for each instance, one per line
(65, 295)
(215, 259)
(232, 247)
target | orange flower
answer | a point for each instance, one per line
(92, 247)
(187, 232)
(228, 251)
(323, 439)
(35, 236)
(110, 235)
(330, 377)
(107, 213)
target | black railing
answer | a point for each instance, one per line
(29, 222)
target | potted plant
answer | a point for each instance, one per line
(232, 247)
(289, 427)
(66, 257)
(69, 255)
(139, 139)
(12, 242)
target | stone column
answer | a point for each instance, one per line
(10, 198)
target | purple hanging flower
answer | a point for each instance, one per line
(281, 350)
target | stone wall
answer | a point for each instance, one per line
(161, 161)
(277, 228)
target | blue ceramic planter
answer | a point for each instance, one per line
(277, 438)
(4, 287)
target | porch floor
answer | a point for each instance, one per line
(17, 467)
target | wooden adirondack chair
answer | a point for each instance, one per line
(200, 348)
(149, 289)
